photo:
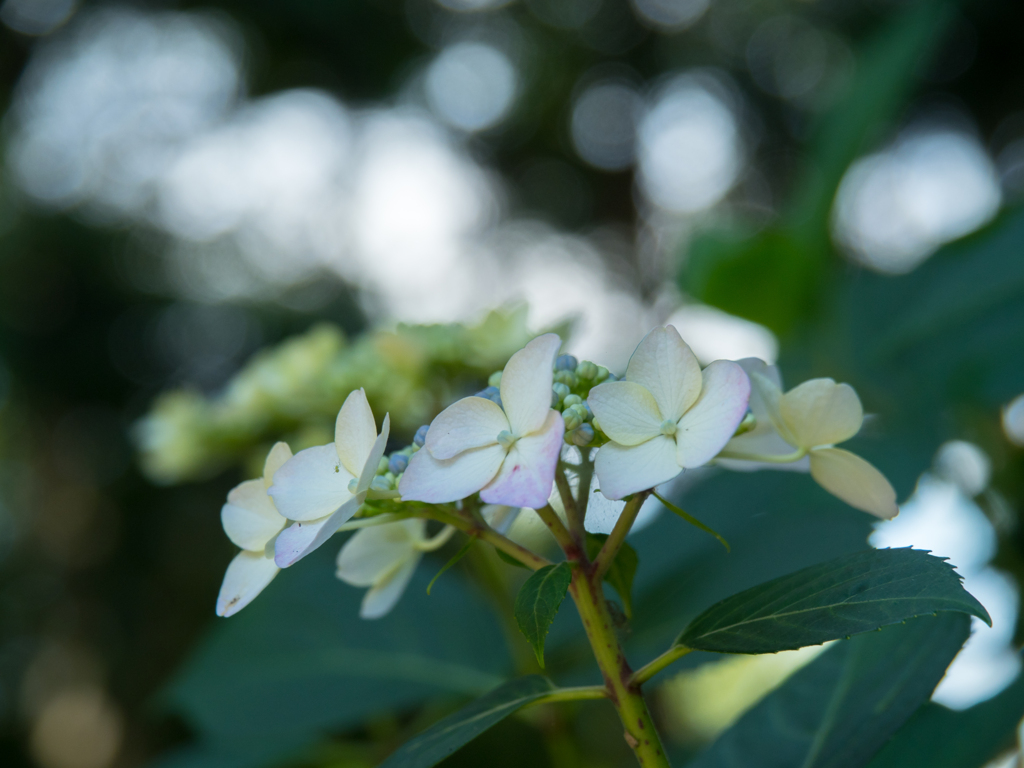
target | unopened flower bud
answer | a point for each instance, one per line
(572, 418)
(748, 423)
(560, 393)
(494, 380)
(571, 400)
(490, 393)
(421, 435)
(382, 466)
(380, 483)
(566, 377)
(398, 463)
(566, 363)
(587, 370)
(601, 375)
(582, 435)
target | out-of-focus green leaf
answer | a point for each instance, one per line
(299, 661)
(538, 601)
(937, 737)
(444, 737)
(622, 571)
(847, 596)
(842, 707)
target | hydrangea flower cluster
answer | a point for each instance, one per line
(546, 434)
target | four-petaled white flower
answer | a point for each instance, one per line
(812, 418)
(507, 452)
(666, 416)
(251, 521)
(321, 488)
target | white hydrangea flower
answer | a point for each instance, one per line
(666, 416)
(322, 488)
(507, 452)
(812, 418)
(251, 521)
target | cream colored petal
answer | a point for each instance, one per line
(312, 484)
(626, 412)
(526, 384)
(435, 481)
(471, 422)
(247, 575)
(278, 455)
(707, 426)
(354, 432)
(668, 369)
(622, 470)
(499, 516)
(821, 412)
(528, 472)
(373, 459)
(299, 539)
(249, 518)
(854, 480)
(381, 598)
(373, 552)
(766, 397)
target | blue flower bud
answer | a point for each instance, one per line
(583, 435)
(490, 393)
(421, 435)
(586, 370)
(566, 363)
(571, 400)
(398, 463)
(494, 380)
(381, 484)
(560, 393)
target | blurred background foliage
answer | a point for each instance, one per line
(217, 218)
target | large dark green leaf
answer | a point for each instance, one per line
(299, 661)
(538, 601)
(444, 737)
(838, 710)
(937, 737)
(843, 597)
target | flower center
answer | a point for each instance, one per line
(506, 439)
(668, 428)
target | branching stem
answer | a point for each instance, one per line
(606, 556)
(648, 671)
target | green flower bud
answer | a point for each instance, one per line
(381, 484)
(382, 465)
(748, 423)
(566, 377)
(494, 380)
(572, 419)
(561, 392)
(571, 400)
(587, 370)
(601, 375)
(583, 435)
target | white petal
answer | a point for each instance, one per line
(526, 384)
(435, 481)
(354, 432)
(373, 459)
(471, 422)
(299, 539)
(707, 426)
(528, 472)
(602, 513)
(380, 599)
(622, 470)
(312, 484)
(666, 367)
(247, 575)
(625, 411)
(249, 518)
(278, 455)
(499, 516)
(854, 480)
(821, 412)
(372, 552)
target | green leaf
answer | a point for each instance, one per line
(509, 559)
(622, 570)
(458, 729)
(454, 559)
(692, 520)
(937, 737)
(842, 707)
(538, 601)
(843, 597)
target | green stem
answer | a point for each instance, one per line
(648, 671)
(559, 531)
(572, 694)
(640, 732)
(477, 528)
(572, 511)
(606, 556)
(586, 475)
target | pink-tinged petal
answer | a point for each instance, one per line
(299, 539)
(354, 432)
(526, 384)
(247, 575)
(622, 470)
(436, 482)
(528, 472)
(626, 412)
(472, 422)
(373, 459)
(821, 412)
(711, 422)
(668, 369)
(249, 518)
(855, 481)
(373, 552)
(276, 459)
(311, 485)
(381, 598)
